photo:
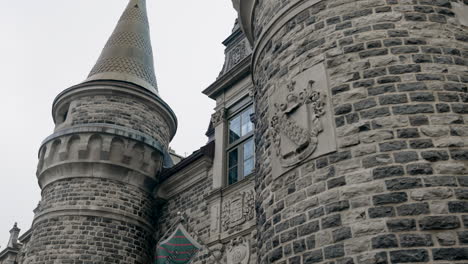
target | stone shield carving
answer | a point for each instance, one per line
(238, 210)
(296, 123)
(238, 251)
(300, 121)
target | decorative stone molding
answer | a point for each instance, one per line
(238, 251)
(218, 117)
(64, 211)
(237, 54)
(237, 51)
(238, 210)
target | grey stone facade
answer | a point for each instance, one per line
(397, 75)
(360, 144)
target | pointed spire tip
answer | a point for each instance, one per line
(128, 54)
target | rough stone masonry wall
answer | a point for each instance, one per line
(122, 111)
(191, 203)
(396, 190)
(84, 238)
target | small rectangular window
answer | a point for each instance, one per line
(241, 149)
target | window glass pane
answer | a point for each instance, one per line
(232, 166)
(234, 129)
(247, 125)
(232, 175)
(248, 149)
(248, 157)
(233, 158)
(248, 166)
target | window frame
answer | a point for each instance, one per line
(239, 144)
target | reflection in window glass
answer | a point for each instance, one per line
(248, 157)
(232, 165)
(234, 129)
(240, 125)
(247, 125)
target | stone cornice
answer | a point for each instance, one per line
(93, 211)
(89, 169)
(235, 36)
(185, 179)
(239, 71)
(9, 250)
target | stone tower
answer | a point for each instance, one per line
(362, 136)
(97, 171)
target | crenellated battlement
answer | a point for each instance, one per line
(93, 154)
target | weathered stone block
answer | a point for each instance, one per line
(411, 255)
(416, 240)
(452, 254)
(400, 225)
(439, 223)
(413, 209)
(384, 241)
(390, 198)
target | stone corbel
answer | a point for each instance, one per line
(218, 117)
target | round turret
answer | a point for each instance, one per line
(379, 175)
(98, 170)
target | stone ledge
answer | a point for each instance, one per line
(96, 212)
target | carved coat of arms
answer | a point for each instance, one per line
(296, 124)
(238, 210)
(238, 251)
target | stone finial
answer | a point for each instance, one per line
(128, 55)
(14, 233)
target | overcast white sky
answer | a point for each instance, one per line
(49, 45)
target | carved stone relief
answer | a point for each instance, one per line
(218, 117)
(238, 251)
(461, 11)
(217, 252)
(300, 120)
(238, 210)
(237, 54)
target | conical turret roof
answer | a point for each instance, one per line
(128, 55)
